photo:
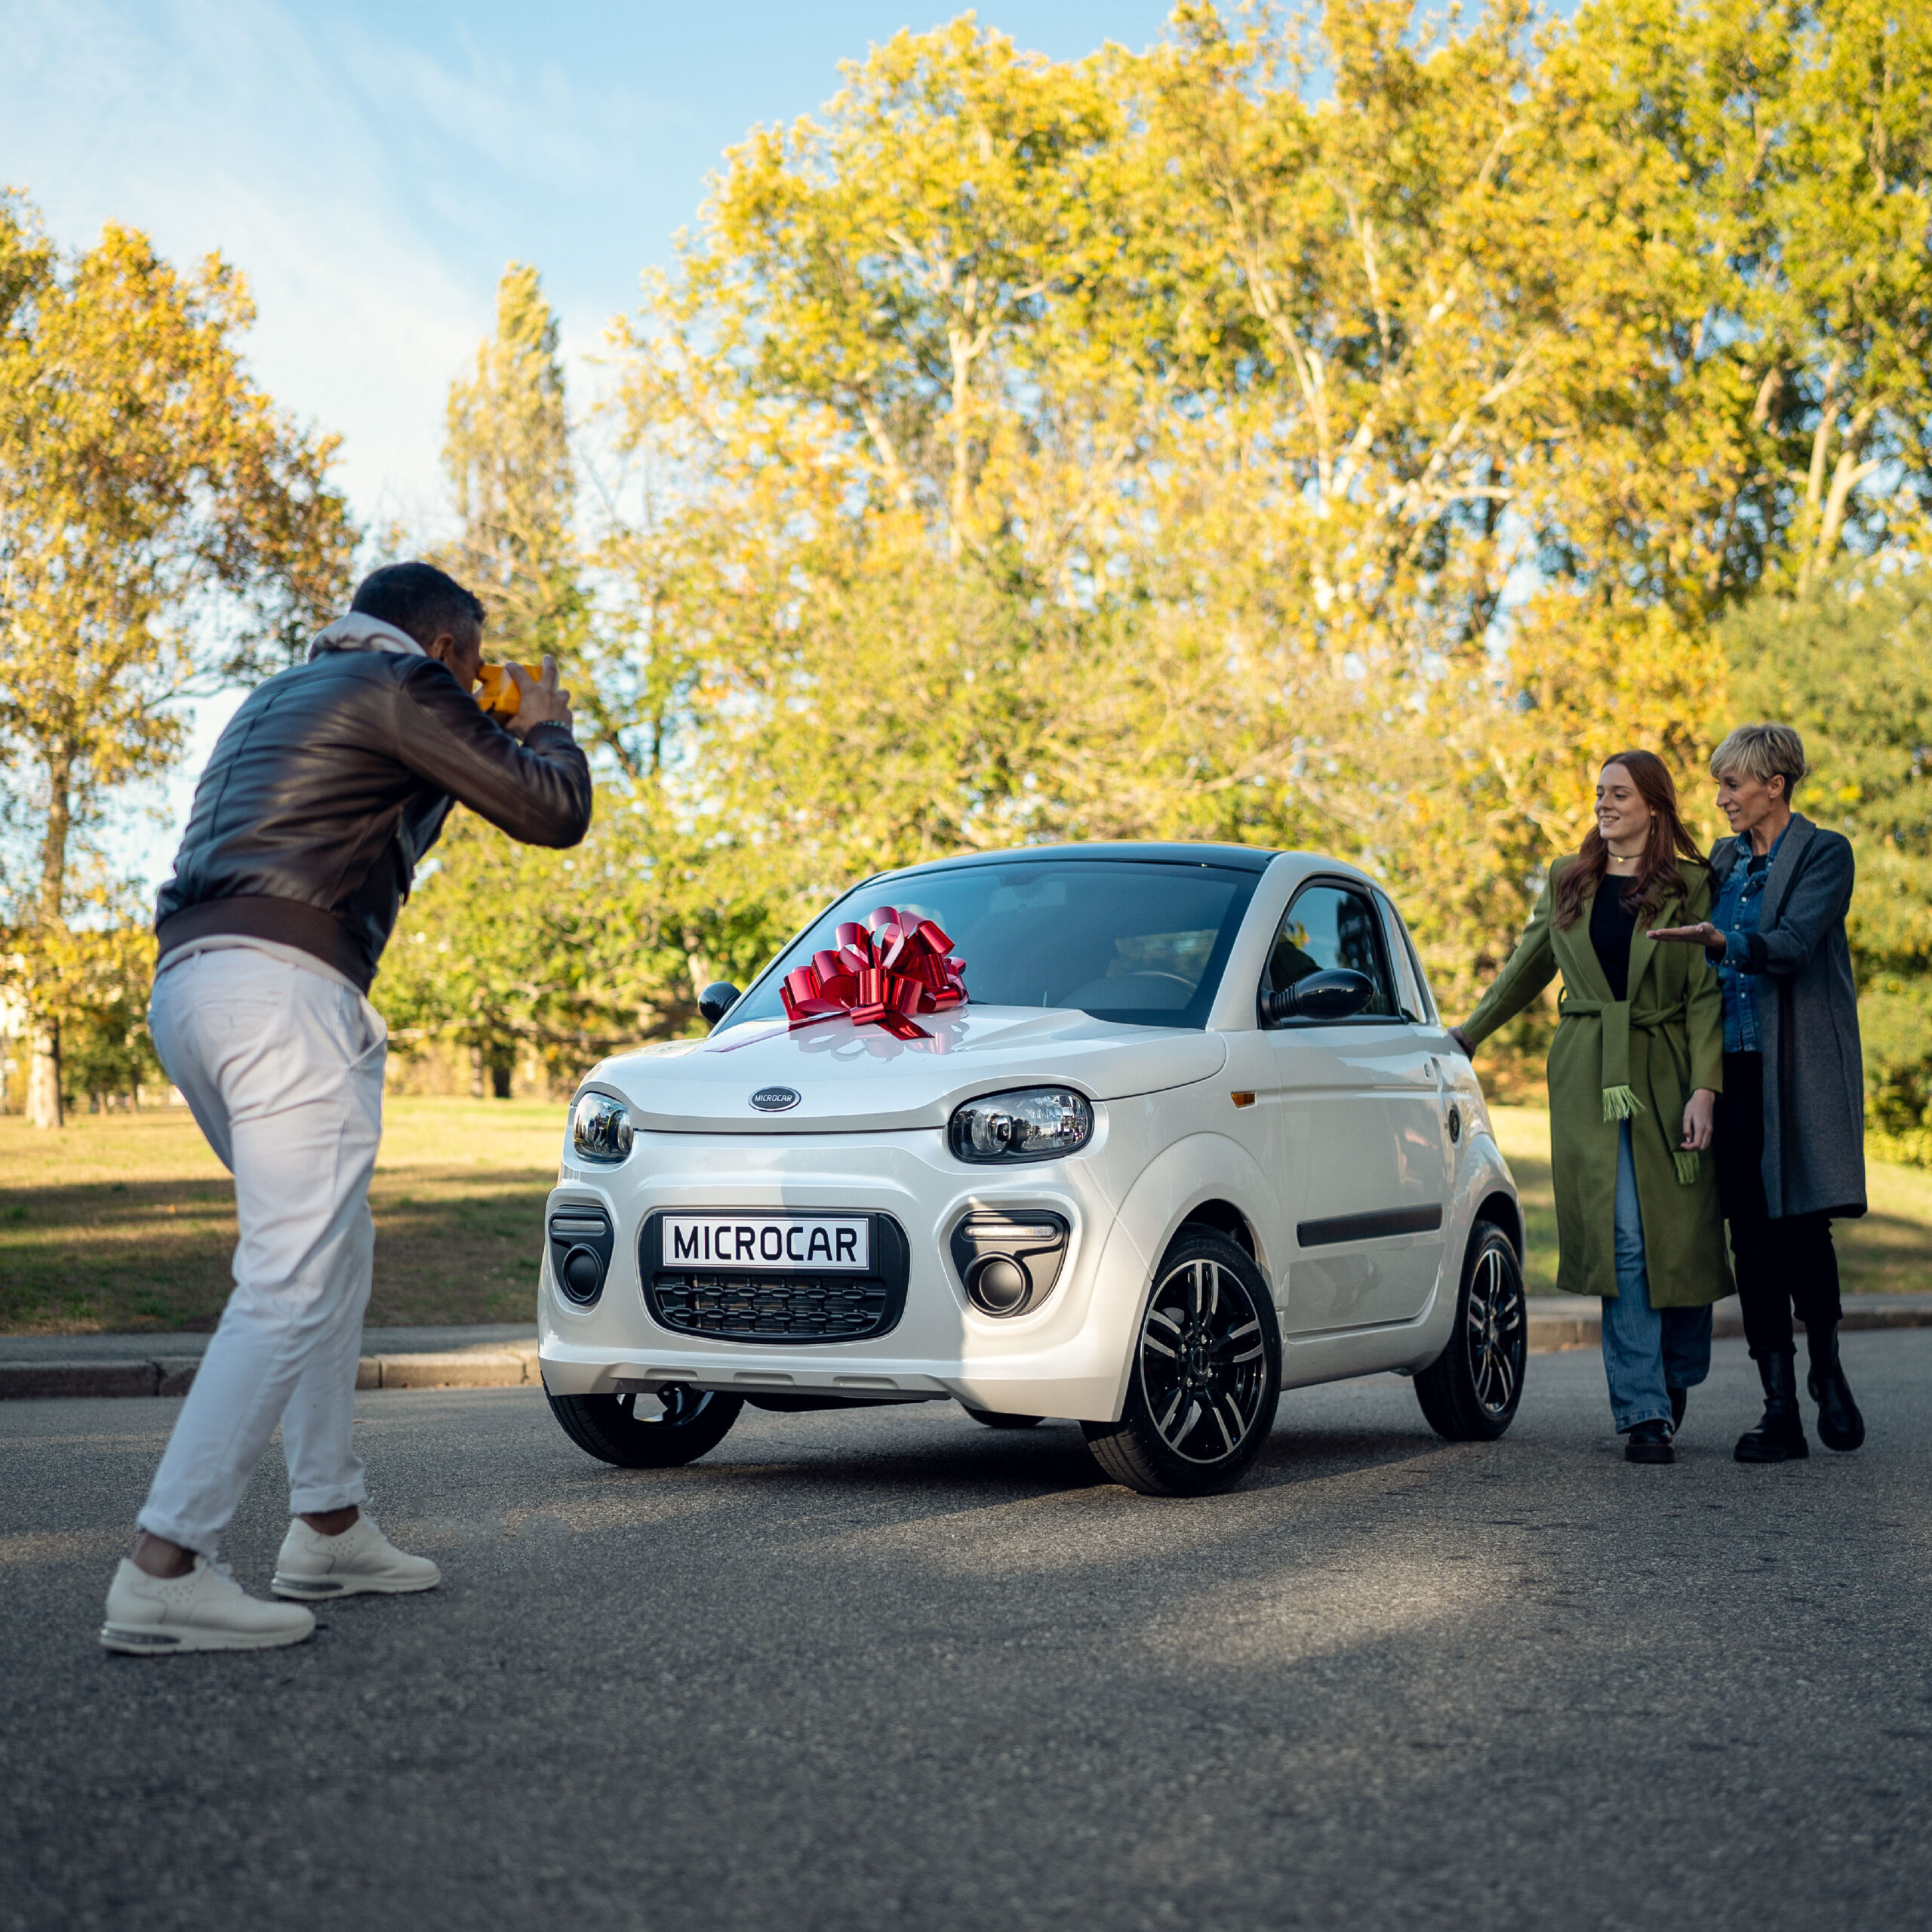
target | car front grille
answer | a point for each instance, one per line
(777, 1305)
(757, 1308)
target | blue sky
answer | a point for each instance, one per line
(371, 168)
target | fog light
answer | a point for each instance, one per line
(580, 1245)
(997, 1284)
(1009, 1262)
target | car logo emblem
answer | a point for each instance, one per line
(775, 1099)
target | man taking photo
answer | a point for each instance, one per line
(323, 793)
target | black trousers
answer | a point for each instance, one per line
(1782, 1264)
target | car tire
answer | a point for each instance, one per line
(1470, 1392)
(997, 1419)
(1205, 1377)
(694, 1423)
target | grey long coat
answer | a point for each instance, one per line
(1807, 1018)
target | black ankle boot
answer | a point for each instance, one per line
(1649, 1442)
(1840, 1426)
(1779, 1435)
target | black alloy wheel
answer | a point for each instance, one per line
(1470, 1392)
(1206, 1378)
(640, 1432)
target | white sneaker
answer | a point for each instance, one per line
(361, 1559)
(206, 1609)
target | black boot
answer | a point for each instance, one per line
(1840, 1426)
(1678, 1397)
(1649, 1442)
(1779, 1435)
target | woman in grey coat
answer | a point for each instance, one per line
(1789, 1144)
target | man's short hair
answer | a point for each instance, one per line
(420, 599)
(1762, 751)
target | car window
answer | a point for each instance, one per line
(1331, 926)
(1410, 980)
(1142, 943)
(1401, 962)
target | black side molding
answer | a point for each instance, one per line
(1369, 1227)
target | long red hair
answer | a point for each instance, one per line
(1656, 876)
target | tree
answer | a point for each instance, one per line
(162, 526)
(507, 453)
(504, 950)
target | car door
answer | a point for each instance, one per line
(1366, 1163)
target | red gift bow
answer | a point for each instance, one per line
(880, 974)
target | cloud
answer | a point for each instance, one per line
(228, 127)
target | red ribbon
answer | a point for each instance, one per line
(879, 974)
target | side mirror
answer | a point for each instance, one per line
(1333, 994)
(718, 998)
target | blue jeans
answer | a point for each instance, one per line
(1646, 1351)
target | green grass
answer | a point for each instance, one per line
(122, 1223)
(1889, 1251)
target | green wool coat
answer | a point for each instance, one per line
(1639, 1059)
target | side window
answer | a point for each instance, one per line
(1410, 984)
(1329, 926)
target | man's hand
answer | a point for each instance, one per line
(1462, 1041)
(1706, 935)
(539, 701)
(1699, 1111)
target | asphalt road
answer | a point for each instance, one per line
(893, 1667)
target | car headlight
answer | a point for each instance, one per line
(600, 1129)
(1034, 1123)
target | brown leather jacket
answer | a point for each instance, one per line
(329, 785)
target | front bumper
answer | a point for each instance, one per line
(1066, 1357)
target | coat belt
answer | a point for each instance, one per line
(1619, 1017)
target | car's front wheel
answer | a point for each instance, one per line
(1470, 1392)
(1205, 1379)
(623, 1429)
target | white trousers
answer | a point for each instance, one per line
(283, 1070)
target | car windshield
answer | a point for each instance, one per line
(1142, 943)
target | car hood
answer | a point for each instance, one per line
(849, 1077)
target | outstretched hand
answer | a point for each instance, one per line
(1462, 1041)
(539, 701)
(1705, 935)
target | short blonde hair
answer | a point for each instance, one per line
(1763, 751)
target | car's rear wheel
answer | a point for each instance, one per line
(998, 1418)
(1470, 1392)
(1206, 1376)
(622, 1429)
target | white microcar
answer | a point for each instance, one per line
(1135, 1135)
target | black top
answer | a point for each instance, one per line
(1611, 931)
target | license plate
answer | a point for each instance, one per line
(838, 1242)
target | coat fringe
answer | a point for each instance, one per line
(1687, 1169)
(1621, 1103)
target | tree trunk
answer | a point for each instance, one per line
(43, 1074)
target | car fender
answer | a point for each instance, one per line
(1204, 1167)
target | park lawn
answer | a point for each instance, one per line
(1889, 1251)
(125, 1223)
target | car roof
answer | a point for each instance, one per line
(1164, 852)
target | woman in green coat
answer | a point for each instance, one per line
(1635, 1072)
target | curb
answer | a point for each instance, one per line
(1551, 1329)
(165, 1375)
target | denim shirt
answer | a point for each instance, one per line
(1735, 916)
